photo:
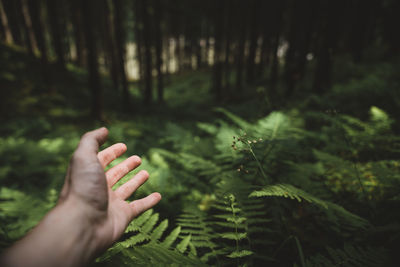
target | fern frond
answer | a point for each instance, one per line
(350, 256)
(171, 237)
(287, 191)
(240, 254)
(182, 246)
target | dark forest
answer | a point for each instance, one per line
(270, 127)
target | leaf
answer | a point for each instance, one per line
(240, 254)
(182, 246)
(234, 236)
(159, 230)
(171, 237)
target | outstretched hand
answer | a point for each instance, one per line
(90, 187)
(89, 216)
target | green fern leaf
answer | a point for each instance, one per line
(240, 254)
(287, 191)
(234, 236)
(139, 221)
(171, 237)
(159, 230)
(182, 246)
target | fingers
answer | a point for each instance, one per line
(140, 205)
(91, 141)
(127, 189)
(117, 172)
(110, 153)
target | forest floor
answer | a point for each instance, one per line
(41, 126)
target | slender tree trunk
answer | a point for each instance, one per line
(37, 25)
(322, 77)
(228, 45)
(94, 77)
(148, 91)
(76, 18)
(167, 46)
(207, 48)
(120, 42)
(157, 20)
(268, 25)
(138, 39)
(278, 10)
(301, 30)
(6, 27)
(240, 51)
(110, 47)
(217, 74)
(14, 22)
(253, 42)
(28, 26)
(57, 31)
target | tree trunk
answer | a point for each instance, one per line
(329, 32)
(217, 73)
(301, 29)
(76, 18)
(278, 10)
(253, 42)
(120, 43)
(28, 26)
(57, 31)
(148, 90)
(110, 47)
(157, 20)
(14, 22)
(228, 45)
(8, 38)
(138, 39)
(34, 7)
(240, 49)
(94, 77)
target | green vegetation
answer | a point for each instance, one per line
(270, 128)
(306, 185)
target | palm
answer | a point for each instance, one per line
(87, 180)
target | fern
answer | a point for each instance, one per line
(145, 246)
(23, 211)
(233, 225)
(350, 256)
(289, 191)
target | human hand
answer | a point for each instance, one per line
(89, 215)
(90, 188)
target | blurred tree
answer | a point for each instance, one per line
(241, 44)
(92, 58)
(14, 21)
(30, 35)
(254, 24)
(228, 37)
(299, 40)
(158, 39)
(76, 19)
(5, 27)
(120, 44)
(138, 33)
(148, 89)
(218, 55)
(57, 30)
(109, 42)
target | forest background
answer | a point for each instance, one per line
(270, 127)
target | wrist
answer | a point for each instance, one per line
(64, 237)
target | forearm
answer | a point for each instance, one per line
(63, 238)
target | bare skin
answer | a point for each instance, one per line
(89, 216)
